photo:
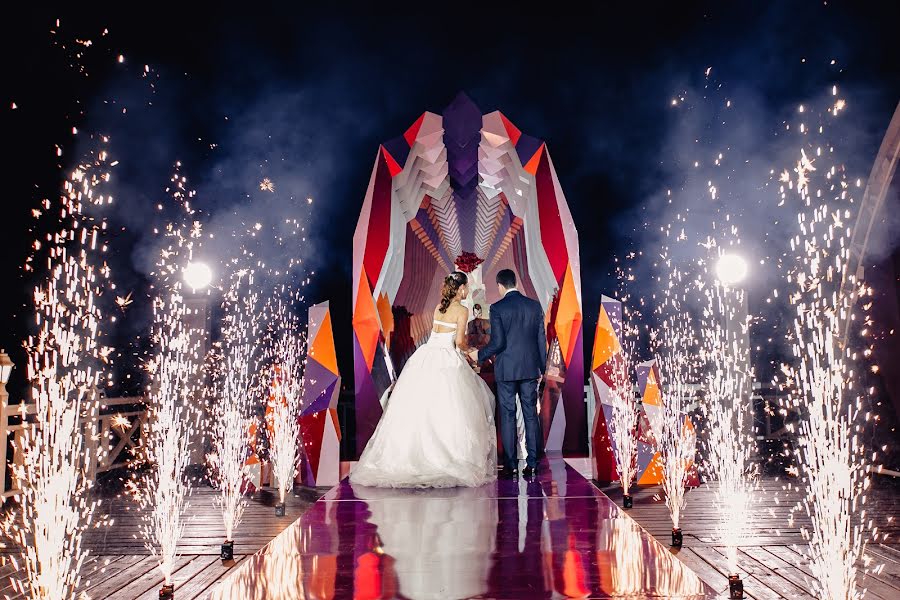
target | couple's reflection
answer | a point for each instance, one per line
(509, 540)
(431, 544)
(469, 543)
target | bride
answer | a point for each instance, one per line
(438, 428)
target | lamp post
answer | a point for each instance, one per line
(6, 367)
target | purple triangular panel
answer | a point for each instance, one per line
(608, 415)
(614, 311)
(645, 454)
(367, 403)
(643, 372)
(526, 147)
(322, 402)
(316, 380)
(399, 149)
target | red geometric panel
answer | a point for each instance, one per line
(552, 235)
(392, 163)
(512, 131)
(379, 229)
(413, 132)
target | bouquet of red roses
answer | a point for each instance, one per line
(468, 262)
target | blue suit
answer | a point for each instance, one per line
(519, 342)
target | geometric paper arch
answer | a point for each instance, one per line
(464, 181)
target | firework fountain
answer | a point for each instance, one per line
(728, 444)
(831, 455)
(63, 367)
(623, 427)
(286, 396)
(164, 491)
(675, 343)
(231, 420)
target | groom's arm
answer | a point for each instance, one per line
(542, 341)
(498, 339)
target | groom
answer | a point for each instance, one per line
(519, 342)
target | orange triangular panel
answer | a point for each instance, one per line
(365, 320)
(532, 165)
(651, 390)
(323, 346)
(653, 473)
(386, 314)
(413, 132)
(605, 341)
(568, 316)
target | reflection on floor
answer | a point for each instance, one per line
(554, 537)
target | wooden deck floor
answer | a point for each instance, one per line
(120, 566)
(772, 562)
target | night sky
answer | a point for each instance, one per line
(304, 96)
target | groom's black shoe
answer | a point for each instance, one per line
(529, 472)
(508, 473)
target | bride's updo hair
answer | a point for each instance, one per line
(452, 283)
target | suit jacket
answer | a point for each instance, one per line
(518, 338)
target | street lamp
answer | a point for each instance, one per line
(198, 275)
(6, 367)
(731, 269)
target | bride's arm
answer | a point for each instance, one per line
(462, 322)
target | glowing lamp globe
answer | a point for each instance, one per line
(197, 275)
(731, 269)
(6, 367)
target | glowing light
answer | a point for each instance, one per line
(731, 269)
(198, 275)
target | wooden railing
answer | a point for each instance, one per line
(111, 428)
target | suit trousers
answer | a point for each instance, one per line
(526, 390)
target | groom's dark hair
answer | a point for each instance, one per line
(506, 278)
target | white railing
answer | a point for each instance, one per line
(112, 430)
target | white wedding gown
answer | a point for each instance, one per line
(438, 427)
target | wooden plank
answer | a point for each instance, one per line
(150, 580)
(791, 556)
(123, 577)
(767, 577)
(784, 570)
(109, 570)
(192, 569)
(753, 588)
(202, 584)
(706, 572)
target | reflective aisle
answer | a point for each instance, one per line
(554, 537)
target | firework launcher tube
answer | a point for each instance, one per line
(677, 537)
(627, 501)
(167, 592)
(735, 586)
(279, 509)
(228, 550)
